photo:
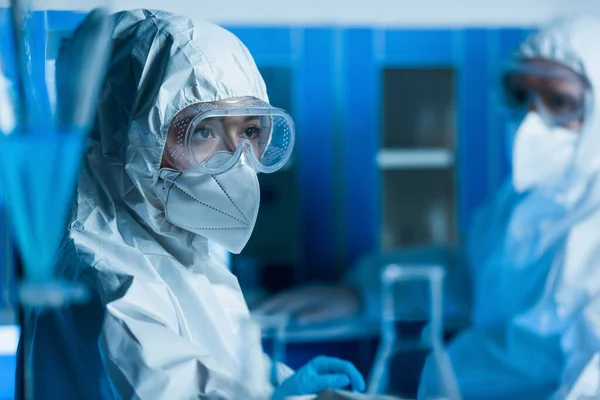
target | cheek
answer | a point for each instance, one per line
(183, 166)
(576, 125)
(167, 161)
(257, 150)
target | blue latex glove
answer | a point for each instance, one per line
(319, 374)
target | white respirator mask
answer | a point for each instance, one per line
(222, 208)
(541, 155)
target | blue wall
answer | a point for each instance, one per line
(338, 85)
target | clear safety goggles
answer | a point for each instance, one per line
(556, 93)
(212, 137)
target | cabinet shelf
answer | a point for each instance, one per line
(398, 159)
(9, 339)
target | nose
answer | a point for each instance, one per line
(531, 104)
(231, 141)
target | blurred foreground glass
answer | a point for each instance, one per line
(46, 111)
(261, 354)
(587, 385)
(383, 377)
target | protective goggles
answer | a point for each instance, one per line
(212, 137)
(558, 94)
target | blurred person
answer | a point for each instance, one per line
(528, 280)
(183, 128)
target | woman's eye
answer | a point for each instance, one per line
(251, 133)
(204, 133)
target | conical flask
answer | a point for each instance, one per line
(47, 107)
(441, 381)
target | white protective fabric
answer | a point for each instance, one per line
(532, 263)
(535, 143)
(221, 208)
(170, 330)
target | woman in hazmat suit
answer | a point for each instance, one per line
(183, 127)
(529, 278)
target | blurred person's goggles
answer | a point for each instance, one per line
(558, 94)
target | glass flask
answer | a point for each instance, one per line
(52, 64)
(50, 76)
(587, 385)
(441, 381)
(260, 354)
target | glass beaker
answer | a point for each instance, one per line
(384, 378)
(261, 354)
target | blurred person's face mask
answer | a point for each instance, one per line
(208, 181)
(553, 99)
(541, 155)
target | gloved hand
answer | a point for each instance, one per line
(315, 304)
(319, 374)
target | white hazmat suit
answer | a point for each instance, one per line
(171, 329)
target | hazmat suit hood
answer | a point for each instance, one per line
(173, 310)
(570, 42)
(160, 64)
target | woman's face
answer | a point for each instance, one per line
(558, 93)
(215, 134)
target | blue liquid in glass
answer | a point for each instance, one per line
(38, 172)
